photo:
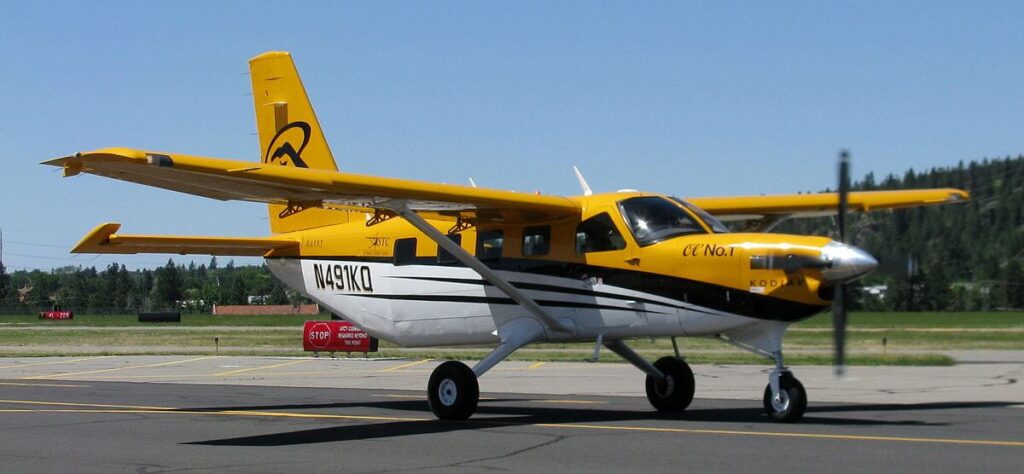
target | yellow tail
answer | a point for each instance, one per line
(290, 135)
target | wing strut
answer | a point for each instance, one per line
(402, 209)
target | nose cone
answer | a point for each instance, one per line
(847, 262)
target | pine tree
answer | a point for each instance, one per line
(5, 283)
(168, 289)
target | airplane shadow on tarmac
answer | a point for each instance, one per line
(489, 416)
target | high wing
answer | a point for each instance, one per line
(104, 239)
(734, 208)
(304, 188)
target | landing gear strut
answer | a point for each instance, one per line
(670, 381)
(785, 399)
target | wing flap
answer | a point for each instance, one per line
(241, 180)
(823, 204)
(105, 239)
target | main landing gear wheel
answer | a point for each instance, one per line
(792, 401)
(453, 391)
(675, 391)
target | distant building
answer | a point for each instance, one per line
(224, 309)
(878, 291)
(258, 299)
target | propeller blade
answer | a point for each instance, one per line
(839, 300)
(839, 327)
(844, 191)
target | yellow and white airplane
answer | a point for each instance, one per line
(424, 264)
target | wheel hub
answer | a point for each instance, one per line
(780, 402)
(447, 392)
(666, 387)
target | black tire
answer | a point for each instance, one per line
(675, 392)
(793, 401)
(453, 391)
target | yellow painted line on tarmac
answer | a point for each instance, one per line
(126, 367)
(102, 408)
(114, 409)
(404, 366)
(214, 413)
(981, 442)
(73, 404)
(262, 367)
(37, 364)
(56, 385)
(262, 374)
(423, 397)
(536, 365)
(571, 402)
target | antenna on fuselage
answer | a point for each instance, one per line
(583, 181)
(472, 183)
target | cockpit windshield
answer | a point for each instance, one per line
(653, 219)
(716, 225)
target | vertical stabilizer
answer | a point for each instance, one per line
(290, 135)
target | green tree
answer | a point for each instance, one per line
(277, 295)
(5, 283)
(1013, 281)
(167, 287)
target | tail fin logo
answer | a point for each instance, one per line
(287, 145)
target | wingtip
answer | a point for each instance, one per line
(96, 237)
(58, 162)
(72, 164)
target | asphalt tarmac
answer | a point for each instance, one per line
(233, 415)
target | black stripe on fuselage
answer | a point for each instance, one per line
(690, 292)
(554, 289)
(495, 300)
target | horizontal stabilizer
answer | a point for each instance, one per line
(104, 239)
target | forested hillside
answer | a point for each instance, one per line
(956, 257)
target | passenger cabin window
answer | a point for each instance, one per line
(654, 219)
(443, 256)
(489, 244)
(405, 251)
(536, 240)
(598, 234)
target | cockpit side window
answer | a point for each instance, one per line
(598, 234)
(653, 219)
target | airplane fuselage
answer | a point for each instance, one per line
(394, 282)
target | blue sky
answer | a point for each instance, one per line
(685, 98)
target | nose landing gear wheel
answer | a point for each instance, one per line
(791, 403)
(453, 391)
(675, 391)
